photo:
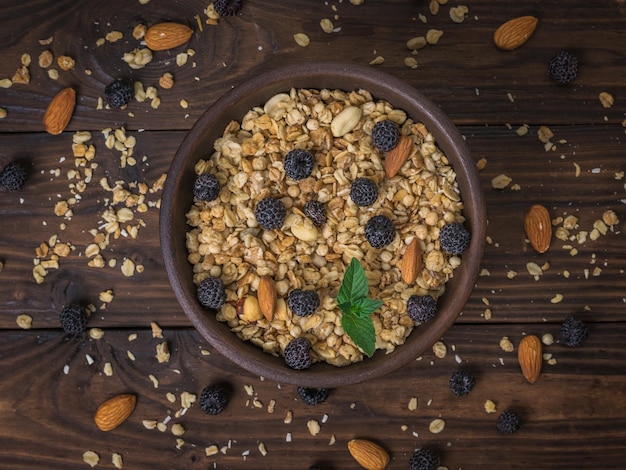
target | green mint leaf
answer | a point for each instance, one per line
(354, 285)
(364, 307)
(345, 307)
(361, 331)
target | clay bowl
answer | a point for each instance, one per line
(178, 198)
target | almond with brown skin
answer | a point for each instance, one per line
(115, 411)
(529, 357)
(267, 297)
(515, 32)
(59, 112)
(411, 263)
(397, 156)
(369, 455)
(164, 36)
(538, 227)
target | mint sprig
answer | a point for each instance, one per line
(357, 308)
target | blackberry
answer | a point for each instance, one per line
(214, 399)
(270, 213)
(379, 231)
(299, 164)
(211, 292)
(573, 332)
(119, 93)
(421, 308)
(563, 67)
(73, 319)
(363, 192)
(423, 459)
(298, 354)
(508, 422)
(313, 396)
(227, 7)
(303, 302)
(206, 188)
(461, 382)
(385, 135)
(12, 177)
(316, 211)
(454, 238)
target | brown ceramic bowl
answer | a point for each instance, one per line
(178, 198)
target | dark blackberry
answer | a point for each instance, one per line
(214, 399)
(508, 422)
(227, 7)
(421, 308)
(363, 192)
(73, 319)
(299, 164)
(423, 459)
(303, 302)
(313, 396)
(454, 238)
(573, 332)
(119, 93)
(461, 382)
(270, 213)
(211, 292)
(563, 67)
(12, 177)
(316, 211)
(379, 231)
(206, 188)
(385, 135)
(298, 354)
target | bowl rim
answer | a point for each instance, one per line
(382, 86)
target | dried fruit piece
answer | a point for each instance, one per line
(397, 156)
(515, 32)
(59, 112)
(538, 227)
(411, 262)
(267, 297)
(164, 36)
(369, 455)
(529, 357)
(115, 411)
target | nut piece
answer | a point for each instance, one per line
(529, 357)
(515, 32)
(60, 111)
(249, 309)
(538, 227)
(164, 36)
(397, 156)
(411, 262)
(114, 411)
(345, 121)
(369, 455)
(267, 297)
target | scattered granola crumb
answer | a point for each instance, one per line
(91, 458)
(547, 339)
(436, 425)
(506, 345)
(490, 406)
(24, 321)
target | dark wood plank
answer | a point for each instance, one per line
(570, 417)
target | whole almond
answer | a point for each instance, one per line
(529, 357)
(397, 156)
(164, 36)
(411, 263)
(59, 111)
(115, 411)
(538, 227)
(267, 297)
(369, 455)
(515, 32)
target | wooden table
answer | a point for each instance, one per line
(50, 384)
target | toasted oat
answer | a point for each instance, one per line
(436, 426)
(91, 458)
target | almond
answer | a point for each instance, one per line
(267, 297)
(59, 111)
(163, 36)
(114, 411)
(529, 357)
(397, 156)
(515, 32)
(538, 227)
(411, 263)
(370, 456)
